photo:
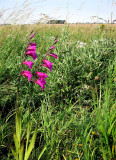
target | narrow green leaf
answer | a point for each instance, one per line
(31, 145)
(64, 157)
(110, 129)
(18, 127)
(42, 153)
(21, 151)
(16, 142)
(28, 133)
(13, 152)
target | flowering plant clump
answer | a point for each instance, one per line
(31, 51)
(37, 78)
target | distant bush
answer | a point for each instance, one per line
(56, 21)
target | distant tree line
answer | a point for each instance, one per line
(46, 19)
(54, 21)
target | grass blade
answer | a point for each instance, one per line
(42, 153)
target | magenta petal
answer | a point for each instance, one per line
(47, 67)
(42, 80)
(40, 83)
(32, 36)
(28, 63)
(53, 55)
(52, 47)
(32, 54)
(47, 64)
(27, 74)
(31, 48)
(43, 75)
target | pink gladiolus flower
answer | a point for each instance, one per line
(32, 48)
(41, 83)
(53, 55)
(28, 63)
(41, 80)
(47, 64)
(52, 47)
(27, 74)
(41, 75)
(32, 54)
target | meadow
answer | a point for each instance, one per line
(75, 114)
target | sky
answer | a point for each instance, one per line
(73, 11)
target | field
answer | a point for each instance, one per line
(74, 117)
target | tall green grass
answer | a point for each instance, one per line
(77, 110)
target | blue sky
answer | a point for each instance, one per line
(30, 11)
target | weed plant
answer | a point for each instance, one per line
(76, 112)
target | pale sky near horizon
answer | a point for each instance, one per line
(29, 11)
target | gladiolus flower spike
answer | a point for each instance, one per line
(31, 51)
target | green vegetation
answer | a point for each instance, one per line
(76, 112)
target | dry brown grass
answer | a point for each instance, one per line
(82, 32)
(85, 31)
